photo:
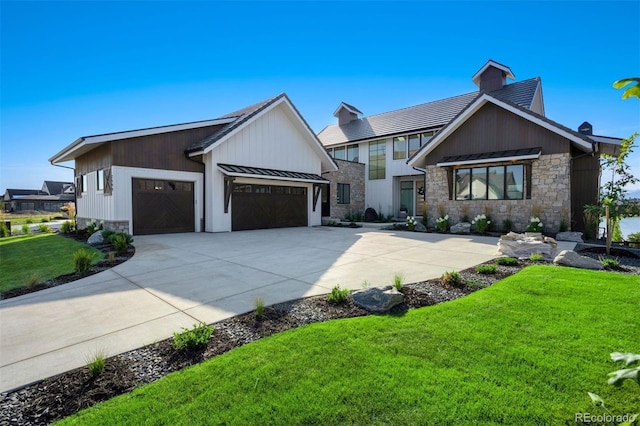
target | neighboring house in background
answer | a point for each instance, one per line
(259, 167)
(492, 150)
(50, 198)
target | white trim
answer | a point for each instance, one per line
(263, 177)
(490, 63)
(473, 108)
(490, 160)
(77, 145)
(343, 105)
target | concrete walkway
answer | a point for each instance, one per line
(177, 280)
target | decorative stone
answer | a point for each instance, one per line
(420, 227)
(461, 228)
(571, 258)
(523, 246)
(95, 238)
(575, 237)
(378, 299)
(370, 215)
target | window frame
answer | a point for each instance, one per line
(100, 180)
(400, 154)
(380, 170)
(483, 170)
(84, 181)
(343, 193)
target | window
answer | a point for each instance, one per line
(377, 160)
(100, 180)
(426, 136)
(340, 153)
(85, 183)
(414, 144)
(344, 193)
(490, 183)
(399, 148)
(353, 153)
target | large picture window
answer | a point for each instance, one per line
(377, 160)
(490, 183)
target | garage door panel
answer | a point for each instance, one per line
(161, 207)
(267, 206)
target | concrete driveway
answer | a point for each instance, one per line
(177, 280)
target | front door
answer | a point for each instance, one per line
(406, 197)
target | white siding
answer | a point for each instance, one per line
(93, 204)
(272, 141)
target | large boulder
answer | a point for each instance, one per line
(461, 228)
(370, 215)
(378, 299)
(420, 227)
(522, 246)
(571, 258)
(95, 238)
(575, 237)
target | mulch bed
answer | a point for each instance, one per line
(67, 393)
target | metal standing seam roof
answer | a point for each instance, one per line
(273, 173)
(424, 116)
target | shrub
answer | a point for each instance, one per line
(44, 228)
(67, 227)
(397, 281)
(507, 261)
(475, 284)
(442, 223)
(452, 278)
(535, 257)
(507, 225)
(197, 337)
(338, 295)
(411, 223)
(481, 223)
(535, 225)
(29, 221)
(108, 234)
(120, 243)
(610, 263)
(4, 231)
(486, 269)
(82, 260)
(44, 220)
(33, 279)
(26, 229)
(111, 257)
(259, 306)
(95, 364)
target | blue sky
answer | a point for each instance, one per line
(72, 69)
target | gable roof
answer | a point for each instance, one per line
(246, 115)
(12, 193)
(348, 107)
(431, 115)
(579, 140)
(55, 187)
(491, 63)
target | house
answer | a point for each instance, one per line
(489, 151)
(50, 198)
(259, 167)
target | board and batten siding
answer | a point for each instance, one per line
(272, 141)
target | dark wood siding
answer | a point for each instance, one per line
(163, 151)
(99, 158)
(584, 187)
(495, 129)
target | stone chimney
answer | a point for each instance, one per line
(586, 128)
(492, 76)
(346, 113)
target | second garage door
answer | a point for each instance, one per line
(268, 206)
(162, 207)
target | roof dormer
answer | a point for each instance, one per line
(346, 113)
(492, 76)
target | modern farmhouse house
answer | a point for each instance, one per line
(259, 167)
(492, 150)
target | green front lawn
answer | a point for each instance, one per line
(524, 351)
(46, 255)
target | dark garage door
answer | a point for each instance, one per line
(162, 207)
(268, 206)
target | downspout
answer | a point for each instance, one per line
(75, 197)
(203, 225)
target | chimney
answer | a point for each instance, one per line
(492, 76)
(346, 113)
(586, 128)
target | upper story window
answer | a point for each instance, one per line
(377, 160)
(406, 146)
(399, 148)
(490, 183)
(347, 152)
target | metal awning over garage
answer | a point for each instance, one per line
(260, 173)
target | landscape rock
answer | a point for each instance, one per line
(370, 215)
(522, 246)
(461, 228)
(571, 258)
(575, 237)
(420, 227)
(95, 238)
(378, 299)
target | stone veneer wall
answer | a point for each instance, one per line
(353, 174)
(112, 225)
(551, 193)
